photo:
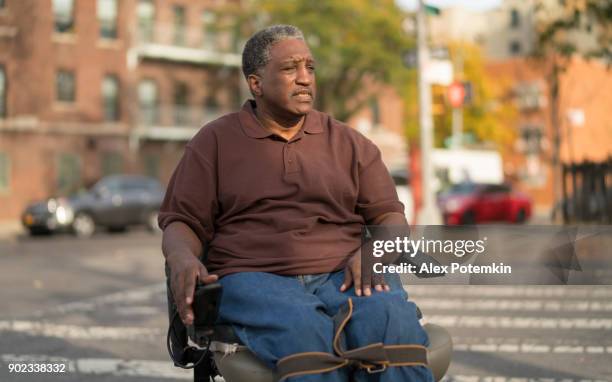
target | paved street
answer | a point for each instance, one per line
(99, 306)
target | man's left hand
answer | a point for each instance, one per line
(352, 275)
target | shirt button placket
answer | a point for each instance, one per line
(290, 164)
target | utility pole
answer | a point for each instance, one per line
(429, 212)
(457, 141)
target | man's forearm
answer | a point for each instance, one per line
(178, 239)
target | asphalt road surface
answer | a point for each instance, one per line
(98, 307)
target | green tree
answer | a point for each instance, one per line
(356, 43)
(488, 118)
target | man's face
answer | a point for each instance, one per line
(287, 82)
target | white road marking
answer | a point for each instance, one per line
(90, 304)
(77, 332)
(532, 345)
(478, 378)
(513, 304)
(562, 291)
(112, 366)
(123, 297)
(506, 322)
(527, 348)
(165, 369)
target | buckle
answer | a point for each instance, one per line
(376, 368)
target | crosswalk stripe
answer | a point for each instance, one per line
(560, 291)
(528, 349)
(165, 370)
(506, 322)
(513, 305)
(530, 345)
(112, 366)
(78, 332)
(88, 305)
(478, 378)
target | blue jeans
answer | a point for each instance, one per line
(276, 316)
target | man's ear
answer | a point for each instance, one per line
(254, 82)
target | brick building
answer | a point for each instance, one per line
(585, 89)
(89, 88)
(508, 35)
(94, 87)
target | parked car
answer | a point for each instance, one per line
(115, 202)
(473, 203)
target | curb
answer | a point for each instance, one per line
(10, 229)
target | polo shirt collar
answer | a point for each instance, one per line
(253, 128)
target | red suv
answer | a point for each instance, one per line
(473, 203)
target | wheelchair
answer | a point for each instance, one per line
(212, 349)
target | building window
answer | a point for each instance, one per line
(515, 19)
(151, 165)
(211, 107)
(529, 96)
(531, 139)
(112, 163)
(147, 98)
(65, 86)
(2, 92)
(110, 97)
(107, 18)
(146, 20)
(236, 37)
(68, 174)
(63, 13)
(179, 25)
(515, 47)
(181, 100)
(5, 173)
(209, 30)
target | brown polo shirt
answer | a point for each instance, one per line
(266, 204)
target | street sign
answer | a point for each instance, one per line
(431, 10)
(410, 57)
(456, 94)
(439, 72)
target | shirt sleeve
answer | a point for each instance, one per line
(191, 196)
(377, 194)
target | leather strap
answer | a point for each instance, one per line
(374, 358)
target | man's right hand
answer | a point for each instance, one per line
(185, 271)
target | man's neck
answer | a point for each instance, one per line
(284, 127)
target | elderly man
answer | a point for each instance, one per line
(278, 192)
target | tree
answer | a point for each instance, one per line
(558, 41)
(488, 118)
(356, 43)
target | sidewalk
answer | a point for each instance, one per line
(10, 229)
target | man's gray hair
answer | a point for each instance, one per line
(256, 53)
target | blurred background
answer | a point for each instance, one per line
(485, 111)
(516, 95)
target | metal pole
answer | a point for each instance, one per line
(458, 111)
(457, 127)
(429, 213)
